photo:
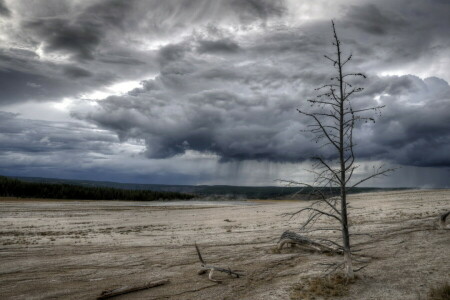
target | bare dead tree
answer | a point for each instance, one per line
(334, 120)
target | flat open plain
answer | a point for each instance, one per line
(77, 249)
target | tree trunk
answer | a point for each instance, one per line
(348, 265)
(345, 233)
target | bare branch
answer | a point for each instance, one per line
(318, 211)
(328, 167)
(370, 108)
(355, 75)
(321, 126)
(376, 174)
(323, 102)
(332, 60)
(347, 60)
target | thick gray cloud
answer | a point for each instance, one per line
(76, 72)
(75, 39)
(223, 78)
(371, 19)
(414, 129)
(80, 36)
(67, 49)
(104, 41)
(4, 10)
(224, 45)
(33, 136)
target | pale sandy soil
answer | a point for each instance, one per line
(74, 250)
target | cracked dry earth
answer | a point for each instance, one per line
(77, 249)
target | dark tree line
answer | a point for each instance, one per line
(15, 188)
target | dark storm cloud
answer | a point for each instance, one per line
(55, 149)
(214, 121)
(241, 104)
(117, 58)
(186, 107)
(33, 136)
(80, 40)
(55, 84)
(397, 34)
(103, 41)
(374, 21)
(82, 35)
(76, 72)
(224, 45)
(68, 50)
(4, 10)
(414, 129)
(19, 86)
(260, 9)
(225, 77)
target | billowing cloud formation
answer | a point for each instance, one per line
(221, 78)
(413, 129)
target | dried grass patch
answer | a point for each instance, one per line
(441, 292)
(336, 285)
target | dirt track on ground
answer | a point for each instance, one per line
(74, 250)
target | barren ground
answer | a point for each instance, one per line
(76, 249)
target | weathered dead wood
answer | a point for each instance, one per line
(443, 219)
(292, 238)
(211, 269)
(129, 289)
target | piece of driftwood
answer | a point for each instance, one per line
(211, 269)
(291, 238)
(443, 219)
(129, 289)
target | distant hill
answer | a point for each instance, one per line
(11, 187)
(215, 191)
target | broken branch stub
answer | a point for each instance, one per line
(211, 269)
(443, 219)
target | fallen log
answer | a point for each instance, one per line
(129, 289)
(292, 238)
(211, 269)
(443, 219)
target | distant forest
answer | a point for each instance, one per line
(10, 187)
(205, 192)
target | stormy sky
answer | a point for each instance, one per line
(206, 91)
